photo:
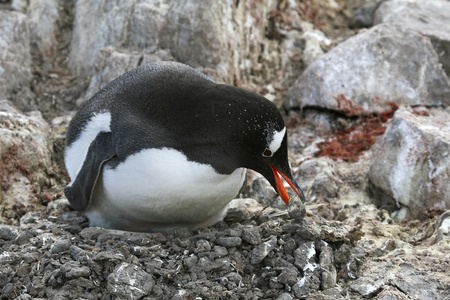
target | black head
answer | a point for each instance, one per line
(253, 135)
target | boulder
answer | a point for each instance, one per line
(198, 36)
(24, 157)
(43, 31)
(97, 24)
(367, 72)
(429, 18)
(410, 167)
(227, 40)
(15, 62)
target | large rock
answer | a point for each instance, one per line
(15, 62)
(43, 30)
(410, 167)
(24, 157)
(198, 36)
(225, 38)
(97, 24)
(430, 18)
(363, 74)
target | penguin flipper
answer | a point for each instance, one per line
(79, 193)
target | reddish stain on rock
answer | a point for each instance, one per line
(349, 143)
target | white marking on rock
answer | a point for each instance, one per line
(76, 153)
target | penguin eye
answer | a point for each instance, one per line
(267, 153)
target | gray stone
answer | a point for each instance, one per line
(43, 30)
(429, 18)
(15, 63)
(368, 71)
(296, 208)
(73, 270)
(190, 261)
(19, 5)
(232, 241)
(410, 168)
(97, 24)
(8, 232)
(319, 178)
(262, 250)
(327, 267)
(26, 156)
(226, 41)
(309, 230)
(391, 293)
(190, 30)
(305, 257)
(364, 15)
(251, 235)
(288, 276)
(366, 286)
(130, 282)
(314, 40)
(60, 246)
(284, 296)
(148, 19)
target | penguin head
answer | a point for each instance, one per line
(270, 159)
(259, 137)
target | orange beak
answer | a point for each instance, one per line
(280, 186)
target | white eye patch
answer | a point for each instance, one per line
(276, 140)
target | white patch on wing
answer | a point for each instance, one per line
(77, 151)
(160, 185)
(277, 139)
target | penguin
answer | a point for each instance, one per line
(163, 146)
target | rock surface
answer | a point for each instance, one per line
(15, 62)
(429, 18)
(43, 31)
(410, 168)
(25, 161)
(362, 75)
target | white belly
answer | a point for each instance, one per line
(158, 189)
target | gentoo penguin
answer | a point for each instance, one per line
(163, 146)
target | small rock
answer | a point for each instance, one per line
(130, 282)
(288, 276)
(309, 230)
(232, 241)
(60, 246)
(327, 267)
(262, 250)
(73, 270)
(190, 261)
(220, 251)
(202, 246)
(365, 286)
(251, 235)
(296, 208)
(78, 254)
(8, 232)
(284, 296)
(91, 233)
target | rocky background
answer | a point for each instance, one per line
(365, 91)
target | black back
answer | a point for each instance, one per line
(169, 104)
